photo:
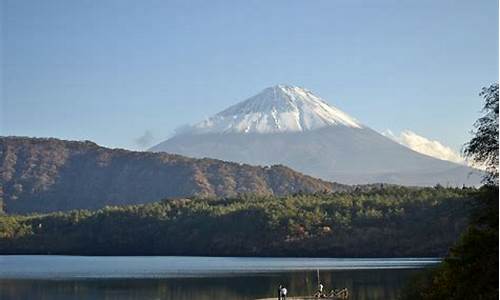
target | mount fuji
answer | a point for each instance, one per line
(292, 126)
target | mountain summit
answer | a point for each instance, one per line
(292, 126)
(281, 108)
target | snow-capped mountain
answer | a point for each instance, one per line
(292, 126)
(280, 108)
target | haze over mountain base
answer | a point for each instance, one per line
(339, 154)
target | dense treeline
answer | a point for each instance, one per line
(387, 222)
(470, 270)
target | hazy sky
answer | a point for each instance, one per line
(127, 73)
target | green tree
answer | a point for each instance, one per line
(483, 147)
(470, 271)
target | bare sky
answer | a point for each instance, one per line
(126, 73)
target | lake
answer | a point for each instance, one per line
(89, 277)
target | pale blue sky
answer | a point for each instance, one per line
(109, 71)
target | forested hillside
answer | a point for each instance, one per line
(387, 222)
(43, 175)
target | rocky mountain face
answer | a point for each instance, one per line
(294, 127)
(41, 175)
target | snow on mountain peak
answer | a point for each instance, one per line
(281, 108)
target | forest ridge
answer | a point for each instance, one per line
(43, 175)
(387, 222)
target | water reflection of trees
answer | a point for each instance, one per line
(363, 285)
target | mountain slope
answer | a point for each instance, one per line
(318, 140)
(40, 175)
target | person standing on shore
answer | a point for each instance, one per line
(283, 293)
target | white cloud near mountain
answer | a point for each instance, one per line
(145, 140)
(425, 146)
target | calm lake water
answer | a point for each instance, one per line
(182, 278)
